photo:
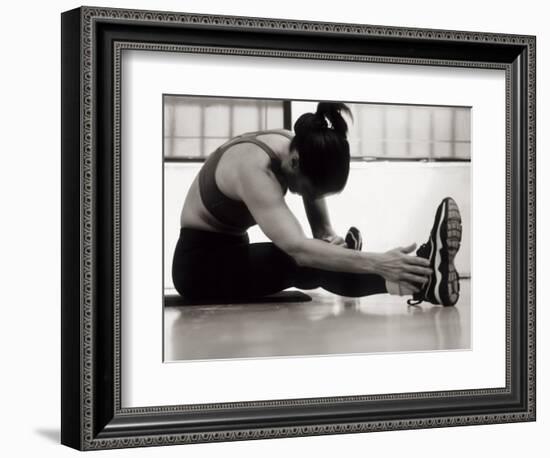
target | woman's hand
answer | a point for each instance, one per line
(398, 266)
(334, 240)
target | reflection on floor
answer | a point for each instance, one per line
(329, 324)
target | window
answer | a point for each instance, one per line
(195, 126)
(403, 132)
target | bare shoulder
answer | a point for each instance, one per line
(255, 162)
(276, 136)
(256, 179)
(247, 155)
(244, 162)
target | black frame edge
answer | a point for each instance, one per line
(70, 229)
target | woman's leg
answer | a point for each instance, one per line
(227, 269)
(341, 283)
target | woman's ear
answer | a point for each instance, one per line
(294, 160)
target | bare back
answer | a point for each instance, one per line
(195, 213)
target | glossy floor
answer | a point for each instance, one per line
(329, 324)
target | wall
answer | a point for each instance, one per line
(30, 240)
(392, 203)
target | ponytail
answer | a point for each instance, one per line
(310, 123)
(332, 112)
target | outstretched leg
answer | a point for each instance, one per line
(210, 265)
(225, 267)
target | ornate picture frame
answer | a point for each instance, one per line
(93, 416)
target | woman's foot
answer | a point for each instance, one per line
(443, 286)
(353, 239)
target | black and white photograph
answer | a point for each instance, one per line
(314, 227)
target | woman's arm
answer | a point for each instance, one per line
(261, 192)
(319, 220)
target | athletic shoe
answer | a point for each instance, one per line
(353, 239)
(443, 286)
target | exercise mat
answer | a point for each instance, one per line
(175, 300)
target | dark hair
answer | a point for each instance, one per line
(323, 149)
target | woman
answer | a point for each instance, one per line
(244, 182)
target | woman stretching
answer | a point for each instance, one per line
(244, 183)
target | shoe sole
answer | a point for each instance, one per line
(448, 235)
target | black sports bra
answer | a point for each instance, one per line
(231, 212)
